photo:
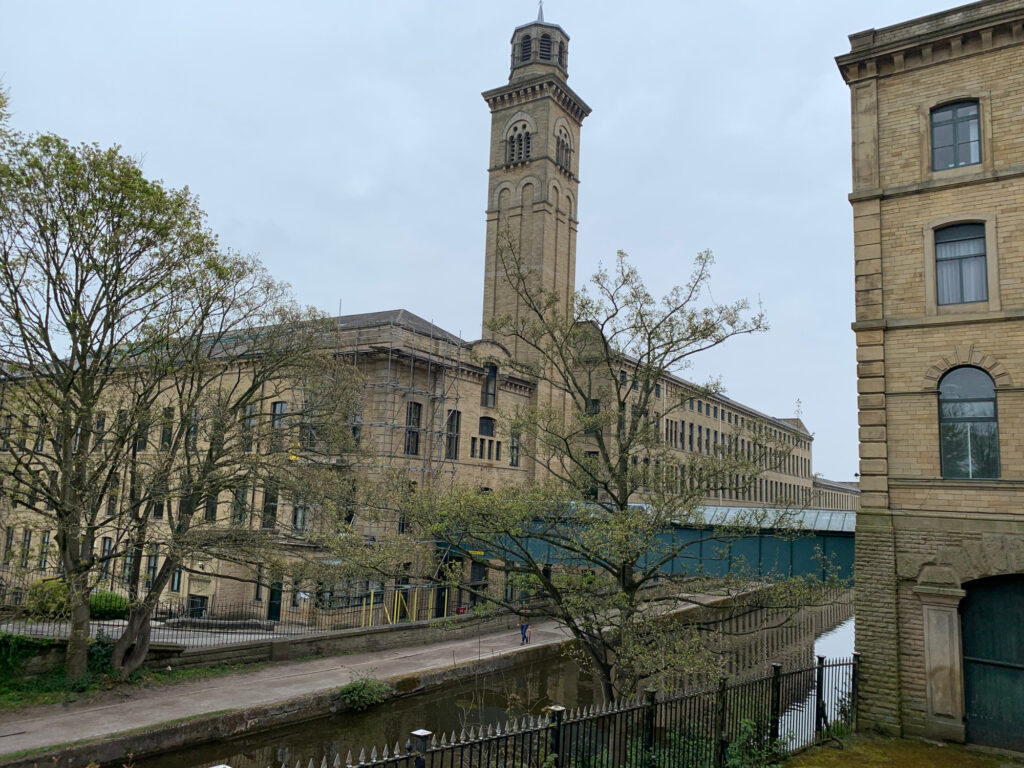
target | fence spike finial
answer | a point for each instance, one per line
(444, 739)
(362, 756)
(433, 740)
(462, 736)
(311, 763)
(384, 756)
(398, 750)
(323, 762)
(472, 733)
(337, 760)
(373, 754)
(490, 729)
(348, 759)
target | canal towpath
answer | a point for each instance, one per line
(143, 709)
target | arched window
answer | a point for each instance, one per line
(562, 151)
(968, 425)
(519, 142)
(526, 48)
(545, 47)
(960, 264)
(561, 53)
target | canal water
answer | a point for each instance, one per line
(487, 699)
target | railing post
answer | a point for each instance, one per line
(721, 742)
(776, 700)
(819, 690)
(854, 686)
(419, 745)
(650, 716)
(557, 714)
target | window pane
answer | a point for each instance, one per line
(966, 383)
(954, 439)
(975, 147)
(969, 131)
(948, 280)
(964, 154)
(984, 450)
(943, 158)
(942, 114)
(967, 109)
(985, 409)
(975, 287)
(942, 135)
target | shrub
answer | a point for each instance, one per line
(108, 605)
(17, 650)
(754, 748)
(47, 599)
(99, 654)
(365, 692)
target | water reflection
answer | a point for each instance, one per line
(746, 647)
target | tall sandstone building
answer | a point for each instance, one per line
(938, 211)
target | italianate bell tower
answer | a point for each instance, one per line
(533, 173)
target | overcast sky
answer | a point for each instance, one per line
(347, 144)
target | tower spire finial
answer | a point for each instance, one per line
(540, 10)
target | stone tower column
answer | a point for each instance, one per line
(532, 175)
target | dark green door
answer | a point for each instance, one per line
(992, 624)
(274, 603)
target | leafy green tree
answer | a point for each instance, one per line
(594, 540)
(140, 360)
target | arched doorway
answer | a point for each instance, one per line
(992, 630)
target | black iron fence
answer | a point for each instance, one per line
(739, 722)
(192, 622)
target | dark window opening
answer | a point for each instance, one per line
(545, 47)
(960, 271)
(452, 429)
(956, 135)
(489, 393)
(486, 426)
(413, 416)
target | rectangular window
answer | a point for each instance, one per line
(278, 411)
(490, 450)
(956, 135)
(300, 517)
(44, 550)
(176, 580)
(142, 436)
(211, 507)
(700, 406)
(657, 389)
(513, 453)
(167, 428)
(472, 448)
(192, 433)
(490, 389)
(960, 264)
(259, 584)
(151, 562)
(239, 505)
(451, 440)
(691, 435)
(8, 545)
(497, 450)
(486, 426)
(413, 416)
(269, 518)
(106, 547)
(248, 427)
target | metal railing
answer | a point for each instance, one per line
(190, 622)
(778, 714)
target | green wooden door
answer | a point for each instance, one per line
(992, 624)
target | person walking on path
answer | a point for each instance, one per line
(524, 631)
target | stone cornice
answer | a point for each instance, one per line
(1006, 315)
(941, 37)
(979, 177)
(537, 88)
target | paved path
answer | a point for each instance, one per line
(134, 708)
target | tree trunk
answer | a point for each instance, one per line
(76, 659)
(132, 646)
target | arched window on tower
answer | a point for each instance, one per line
(563, 153)
(526, 48)
(561, 53)
(545, 47)
(519, 143)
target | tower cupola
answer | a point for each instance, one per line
(539, 48)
